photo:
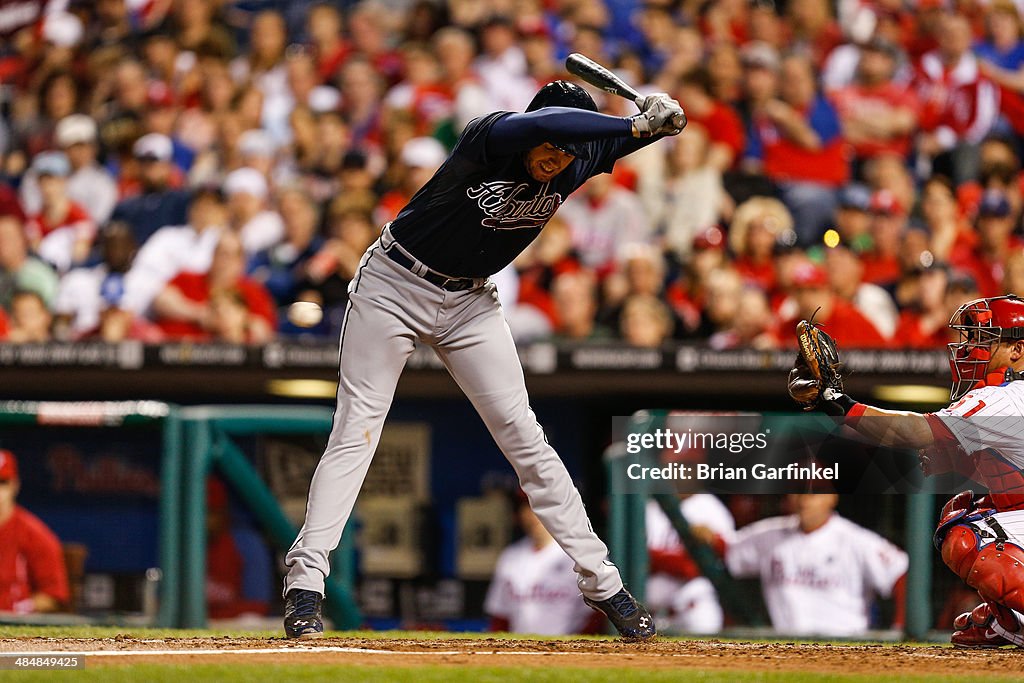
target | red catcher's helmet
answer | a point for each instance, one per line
(982, 323)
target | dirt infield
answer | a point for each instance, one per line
(709, 655)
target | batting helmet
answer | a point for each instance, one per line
(564, 94)
(982, 323)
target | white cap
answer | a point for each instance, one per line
(423, 153)
(247, 181)
(62, 29)
(256, 143)
(75, 129)
(155, 146)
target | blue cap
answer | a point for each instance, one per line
(994, 203)
(52, 163)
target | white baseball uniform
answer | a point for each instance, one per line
(536, 591)
(817, 583)
(690, 605)
(990, 418)
(988, 424)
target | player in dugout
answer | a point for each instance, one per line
(676, 588)
(981, 538)
(33, 577)
(534, 587)
(426, 280)
(818, 570)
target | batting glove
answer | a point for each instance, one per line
(660, 115)
(657, 100)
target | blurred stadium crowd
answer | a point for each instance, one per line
(186, 169)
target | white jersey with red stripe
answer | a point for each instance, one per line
(988, 424)
(821, 582)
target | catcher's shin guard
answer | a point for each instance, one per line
(960, 550)
(998, 575)
(996, 571)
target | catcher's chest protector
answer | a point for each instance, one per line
(1004, 481)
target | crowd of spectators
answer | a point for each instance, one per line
(186, 169)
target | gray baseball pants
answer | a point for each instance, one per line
(389, 309)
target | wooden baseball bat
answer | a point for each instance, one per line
(595, 74)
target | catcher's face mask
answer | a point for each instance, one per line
(981, 323)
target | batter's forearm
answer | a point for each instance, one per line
(520, 132)
(894, 428)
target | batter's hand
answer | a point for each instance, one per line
(659, 115)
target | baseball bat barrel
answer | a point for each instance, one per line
(599, 76)
(595, 74)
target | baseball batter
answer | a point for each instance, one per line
(981, 538)
(426, 280)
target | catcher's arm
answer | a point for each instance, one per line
(895, 428)
(816, 383)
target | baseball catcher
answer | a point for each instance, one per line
(979, 435)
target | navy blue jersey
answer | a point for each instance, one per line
(482, 207)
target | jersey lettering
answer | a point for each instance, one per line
(505, 210)
(480, 210)
(972, 411)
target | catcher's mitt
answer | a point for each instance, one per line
(817, 373)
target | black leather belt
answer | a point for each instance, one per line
(451, 284)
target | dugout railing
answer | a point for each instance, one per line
(627, 533)
(210, 441)
(193, 441)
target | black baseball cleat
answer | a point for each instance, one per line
(629, 617)
(302, 614)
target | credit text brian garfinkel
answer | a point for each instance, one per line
(705, 472)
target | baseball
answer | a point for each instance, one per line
(304, 314)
